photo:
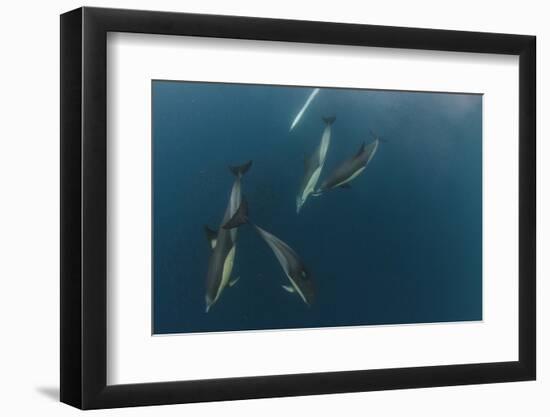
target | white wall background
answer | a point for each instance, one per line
(29, 209)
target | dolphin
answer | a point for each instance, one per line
(314, 165)
(304, 108)
(350, 168)
(223, 244)
(301, 282)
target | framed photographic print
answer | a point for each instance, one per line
(256, 208)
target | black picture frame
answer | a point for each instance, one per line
(84, 207)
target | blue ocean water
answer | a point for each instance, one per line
(402, 245)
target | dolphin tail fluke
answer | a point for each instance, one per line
(376, 137)
(239, 218)
(329, 120)
(240, 170)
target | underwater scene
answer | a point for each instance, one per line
(283, 207)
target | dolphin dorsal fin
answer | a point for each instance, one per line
(361, 149)
(211, 236)
(239, 218)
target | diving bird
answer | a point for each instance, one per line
(304, 108)
(223, 244)
(314, 165)
(301, 282)
(350, 168)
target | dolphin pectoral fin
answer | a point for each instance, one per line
(289, 288)
(345, 186)
(234, 281)
(211, 236)
(239, 218)
(316, 193)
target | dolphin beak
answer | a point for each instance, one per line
(298, 205)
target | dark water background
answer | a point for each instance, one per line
(403, 245)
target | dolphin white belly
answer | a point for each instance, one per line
(271, 241)
(325, 142)
(376, 142)
(312, 183)
(296, 288)
(355, 174)
(227, 270)
(317, 160)
(274, 243)
(234, 200)
(304, 108)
